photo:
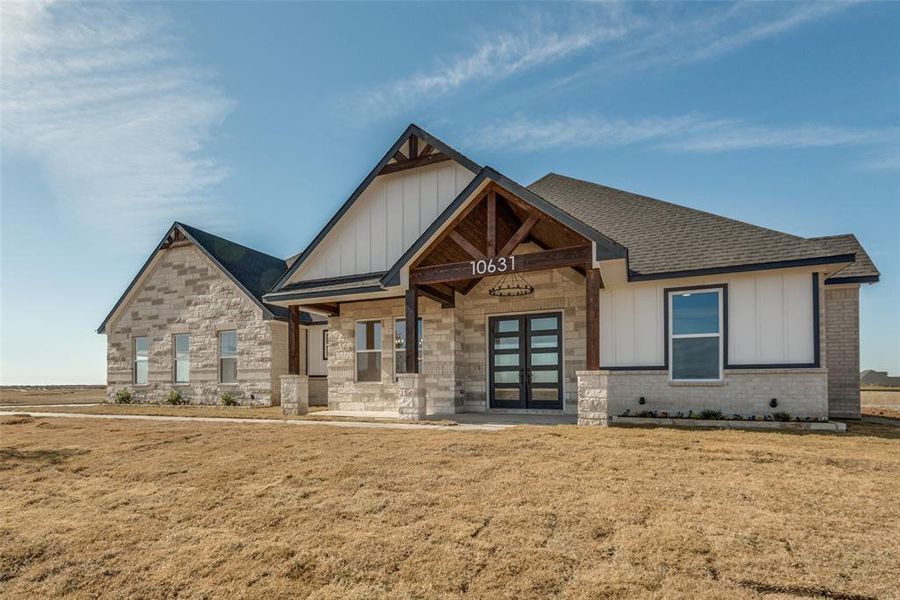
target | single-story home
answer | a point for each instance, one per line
(448, 287)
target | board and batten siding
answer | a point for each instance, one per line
(315, 354)
(386, 219)
(770, 320)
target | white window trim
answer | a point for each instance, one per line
(134, 359)
(356, 351)
(395, 350)
(720, 334)
(219, 352)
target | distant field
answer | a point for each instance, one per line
(24, 395)
(881, 403)
(132, 509)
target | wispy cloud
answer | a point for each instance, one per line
(611, 38)
(686, 133)
(104, 98)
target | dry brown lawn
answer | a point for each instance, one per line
(34, 395)
(131, 509)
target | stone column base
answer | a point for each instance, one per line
(592, 398)
(411, 396)
(294, 394)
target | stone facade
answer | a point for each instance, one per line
(184, 292)
(593, 398)
(294, 394)
(841, 324)
(411, 396)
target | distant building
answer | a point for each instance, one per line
(880, 378)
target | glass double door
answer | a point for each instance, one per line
(525, 354)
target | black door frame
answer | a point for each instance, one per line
(525, 368)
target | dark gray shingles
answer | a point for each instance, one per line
(662, 237)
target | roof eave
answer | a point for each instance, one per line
(742, 268)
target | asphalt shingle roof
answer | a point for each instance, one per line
(846, 243)
(321, 287)
(662, 237)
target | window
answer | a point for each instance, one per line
(324, 344)
(400, 346)
(228, 356)
(181, 367)
(695, 341)
(368, 351)
(141, 360)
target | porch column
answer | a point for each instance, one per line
(412, 329)
(592, 287)
(294, 394)
(593, 398)
(410, 396)
(294, 340)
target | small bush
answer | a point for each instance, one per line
(124, 397)
(229, 399)
(781, 416)
(711, 414)
(175, 398)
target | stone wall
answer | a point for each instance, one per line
(800, 392)
(842, 353)
(184, 292)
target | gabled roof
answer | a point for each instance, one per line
(606, 248)
(254, 272)
(413, 129)
(863, 270)
(668, 240)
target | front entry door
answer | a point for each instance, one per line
(525, 353)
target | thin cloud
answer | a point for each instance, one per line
(686, 133)
(104, 99)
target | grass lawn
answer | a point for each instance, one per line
(147, 509)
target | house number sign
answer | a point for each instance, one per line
(490, 266)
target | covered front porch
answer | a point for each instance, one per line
(488, 313)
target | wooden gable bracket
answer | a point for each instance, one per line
(415, 158)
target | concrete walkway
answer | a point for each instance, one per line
(345, 424)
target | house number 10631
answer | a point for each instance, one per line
(490, 266)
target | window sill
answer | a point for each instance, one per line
(720, 383)
(229, 385)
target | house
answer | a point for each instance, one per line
(193, 320)
(878, 379)
(448, 287)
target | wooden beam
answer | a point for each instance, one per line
(446, 300)
(535, 261)
(332, 309)
(492, 224)
(520, 234)
(412, 330)
(426, 150)
(453, 224)
(592, 286)
(412, 163)
(400, 157)
(413, 149)
(466, 245)
(294, 340)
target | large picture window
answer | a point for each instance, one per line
(695, 335)
(141, 360)
(400, 346)
(228, 356)
(368, 351)
(181, 367)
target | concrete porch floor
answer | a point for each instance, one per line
(464, 418)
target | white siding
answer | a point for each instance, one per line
(770, 320)
(385, 220)
(316, 362)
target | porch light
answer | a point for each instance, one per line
(511, 284)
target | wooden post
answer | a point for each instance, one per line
(294, 340)
(412, 330)
(592, 286)
(492, 224)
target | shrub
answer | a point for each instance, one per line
(229, 399)
(781, 416)
(124, 397)
(175, 398)
(710, 414)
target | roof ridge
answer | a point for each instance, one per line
(687, 208)
(232, 242)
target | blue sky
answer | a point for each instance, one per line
(256, 121)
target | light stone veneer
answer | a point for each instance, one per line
(294, 394)
(185, 292)
(411, 396)
(593, 399)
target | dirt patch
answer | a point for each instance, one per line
(33, 395)
(148, 509)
